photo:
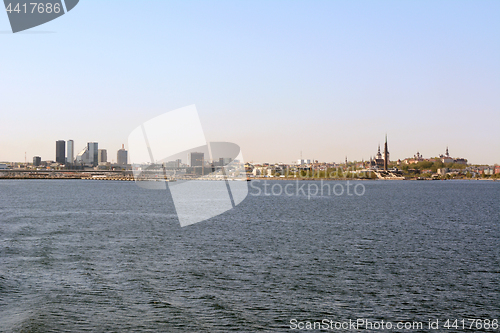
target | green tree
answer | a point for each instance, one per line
(438, 164)
(425, 164)
(458, 166)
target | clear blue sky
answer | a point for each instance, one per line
(328, 78)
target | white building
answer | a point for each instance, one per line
(88, 155)
(82, 156)
(70, 152)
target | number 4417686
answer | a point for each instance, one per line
(478, 324)
(36, 7)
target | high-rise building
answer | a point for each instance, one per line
(37, 160)
(88, 155)
(122, 156)
(196, 159)
(70, 152)
(61, 152)
(93, 153)
(82, 157)
(102, 156)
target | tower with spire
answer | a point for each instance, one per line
(386, 154)
(379, 155)
(379, 160)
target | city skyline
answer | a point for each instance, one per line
(122, 155)
(64, 154)
(325, 78)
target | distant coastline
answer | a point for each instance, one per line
(129, 177)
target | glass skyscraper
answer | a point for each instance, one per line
(61, 152)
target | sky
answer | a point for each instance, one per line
(325, 79)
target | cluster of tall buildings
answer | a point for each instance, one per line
(196, 159)
(91, 155)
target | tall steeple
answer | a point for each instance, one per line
(386, 154)
(447, 154)
(379, 155)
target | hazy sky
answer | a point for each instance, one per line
(328, 78)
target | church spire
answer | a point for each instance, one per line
(386, 154)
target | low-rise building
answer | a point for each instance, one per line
(443, 171)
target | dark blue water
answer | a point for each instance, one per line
(103, 256)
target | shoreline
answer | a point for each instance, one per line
(249, 179)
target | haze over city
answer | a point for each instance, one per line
(327, 79)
